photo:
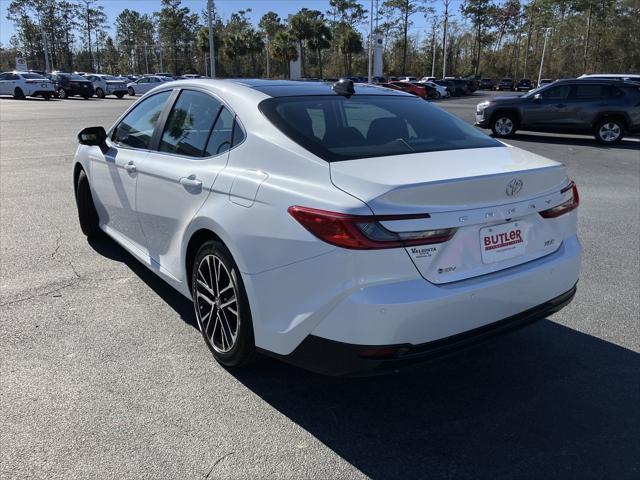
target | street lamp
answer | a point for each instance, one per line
(547, 32)
(212, 55)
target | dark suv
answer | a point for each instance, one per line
(506, 84)
(605, 108)
(70, 84)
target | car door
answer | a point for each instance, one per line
(142, 86)
(550, 110)
(176, 179)
(587, 100)
(3, 83)
(114, 174)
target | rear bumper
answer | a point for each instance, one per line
(330, 357)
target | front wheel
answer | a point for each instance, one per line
(100, 93)
(221, 306)
(47, 96)
(86, 97)
(18, 93)
(503, 125)
(131, 92)
(609, 131)
(120, 95)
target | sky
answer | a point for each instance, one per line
(225, 8)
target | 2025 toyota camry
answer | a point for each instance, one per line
(341, 228)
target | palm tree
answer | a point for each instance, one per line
(234, 48)
(284, 48)
(301, 26)
(320, 39)
(349, 43)
(254, 45)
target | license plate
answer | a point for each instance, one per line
(501, 242)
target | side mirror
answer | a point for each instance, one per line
(94, 136)
(537, 98)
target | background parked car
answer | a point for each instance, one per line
(486, 84)
(408, 79)
(524, 85)
(107, 85)
(458, 86)
(25, 84)
(506, 84)
(70, 84)
(546, 81)
(441, 91)
(608, 109)
(417, 90)
(144, 84)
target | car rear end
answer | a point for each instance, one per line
(116, 86)
(464, 239)
(36, 85)
(77, 85)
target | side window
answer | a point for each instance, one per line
(587, 91)
(560, 92)
(143, 80)
(3, 76)
(238, 134)
(221, 135)
(136, 129)
(612, 92)
(189, 124)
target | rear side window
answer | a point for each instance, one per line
(338, 128)
(588, 91)
(221, 135)
(189, 124)
(136, 129)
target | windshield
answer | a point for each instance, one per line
(338, 128)
(30, 76)
(110, 77)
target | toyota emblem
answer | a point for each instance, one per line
(514, 187)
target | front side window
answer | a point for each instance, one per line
(560, 92)
(370, 126)
(136, 129)
(189, 124)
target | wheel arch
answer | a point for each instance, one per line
(501, 111)
(612, 116)
(77, 168)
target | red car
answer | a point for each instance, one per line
(408, 87)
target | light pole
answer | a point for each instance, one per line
(370, 79)
(547, 31)
(212, 55)
(444, 38)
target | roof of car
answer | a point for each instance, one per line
(612, 81)
(288, 88)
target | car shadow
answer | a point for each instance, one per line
(544, 402)
(625, 144)
(110, 249)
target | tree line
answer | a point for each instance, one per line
(492, 38)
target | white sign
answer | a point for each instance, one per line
(21, 64)
(377, 55)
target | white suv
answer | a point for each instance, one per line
(107, 85)
(338, 228)
(26, 84)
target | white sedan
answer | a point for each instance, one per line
(146, 83)
(340, 228)
(442, 90)
(26, 84)
(107, 85)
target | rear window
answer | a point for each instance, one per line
(337, 128)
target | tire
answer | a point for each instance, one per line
(100, 93)
(131, 92)
(438, 95)
(62, 93)
(609, 131)
(87, 214)
(503, 125)
(229, 349)
(46, 96)
(119, 95)
(18, 93)
(86, 97)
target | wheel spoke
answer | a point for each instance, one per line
(227, 328)
(206, 287)
(205, 298)
(228, 302)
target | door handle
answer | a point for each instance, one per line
(190, 182)
(131, 167)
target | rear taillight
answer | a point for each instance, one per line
(564, 207)
(364, 232)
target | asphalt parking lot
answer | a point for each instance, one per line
(104, 373)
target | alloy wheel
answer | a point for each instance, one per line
(504, 126)
(217, 304)
(609, 132)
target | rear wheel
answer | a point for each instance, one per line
(503, 125)
(86, 97)
(18, 93)
(120, 95)
(221, 306)
(131, 92)
(609, 131)
(62, 93)
(46, 96)
(99, 93)
(87, 214)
